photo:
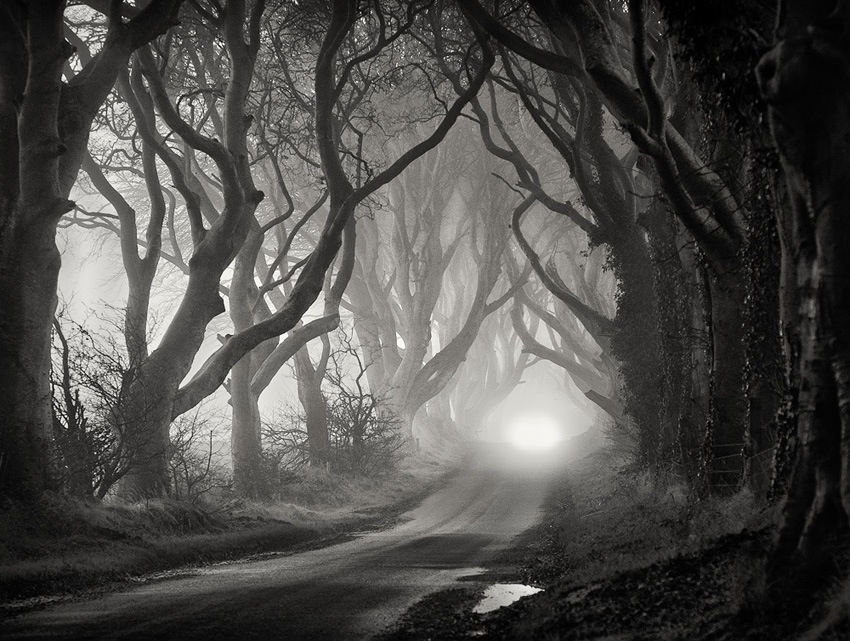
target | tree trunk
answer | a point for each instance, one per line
(681, 429)
(245, 440)
(27, 304)
(726, 438)
(147, 404)
(804, 79)
(32, 204)
(315, 408)
(40, 165)
(637, 342)
(144, 417)
(368, 333)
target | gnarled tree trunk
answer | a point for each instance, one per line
(44, 128)
(805, 80)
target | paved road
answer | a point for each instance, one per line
(351, 590)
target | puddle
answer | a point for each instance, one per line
(471, 574)
(499, 595)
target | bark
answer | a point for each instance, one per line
(805, 81)
(245, 441)
(146, 410)
(44, 128)
(246, 447)
(313, 402)
(29, 259)
(730, 411)
(28, 299)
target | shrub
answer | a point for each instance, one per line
(86, 380)
(362, 438)
(195, 463)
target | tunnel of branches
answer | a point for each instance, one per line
(403, 216)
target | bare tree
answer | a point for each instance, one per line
(44, 126)
(216, 246)
(573, 122)
(607, 50)
(447, 223)
(493, 367)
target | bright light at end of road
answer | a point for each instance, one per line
(534, 432)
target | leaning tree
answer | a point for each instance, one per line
(609, 49)
(158, 392)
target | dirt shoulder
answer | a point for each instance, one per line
(620, 558)
(69, 548)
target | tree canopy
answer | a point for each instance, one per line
(416, 203)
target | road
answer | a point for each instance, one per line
(351, 590)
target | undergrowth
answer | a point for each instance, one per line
(620, 555)
(64, 545)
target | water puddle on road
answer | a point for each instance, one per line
(499, 595)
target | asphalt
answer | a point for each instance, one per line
(351, 590)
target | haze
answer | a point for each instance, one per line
(422, 298)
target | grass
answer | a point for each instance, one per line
(601, 520)
(66, 546)
(620, 556)
(626, 555)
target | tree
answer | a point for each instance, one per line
(572, 121)
(159, 395)
(593, 374)
(309, 379)
(146, 412)
(494, 366)
(586, 41)
(44, 128)
(87, 381)
(446, 222)
(361, 437)
(144, 154)
(214, 168)
(804, 79)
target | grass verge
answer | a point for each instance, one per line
(622, 558)
(66, 547)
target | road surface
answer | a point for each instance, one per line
(351, 590)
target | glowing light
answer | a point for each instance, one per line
(534, 432)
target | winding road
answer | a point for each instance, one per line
(351, 590)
